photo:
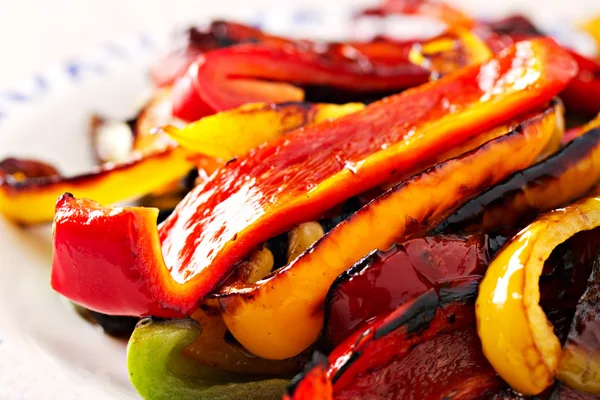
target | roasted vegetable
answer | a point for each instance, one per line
(553, 182)
(265, 193)
(383, 360)
(516, 336)
(228, 78)
(198, 40)
(384, 280)
(259, 315)
(234, 133)
(31, 201)
(159, 370)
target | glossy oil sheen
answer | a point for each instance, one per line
(279, 185)
(393, 277)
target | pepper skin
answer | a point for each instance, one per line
(553, 182)
(431, 336)
(515, 333)
(259, 316)
(31, 201)
(217, 35)
(384, 280)
(235, 132)
(299, 176)
(159, 371)
(582, 93)
(248, 73)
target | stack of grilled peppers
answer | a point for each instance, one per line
(438, 242)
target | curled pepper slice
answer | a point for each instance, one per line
(32, 200)
(515, 333)
(260, 315)
(159, 370)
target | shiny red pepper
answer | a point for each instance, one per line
(300, 176)
(384, 280)
(228, 78)
(583, 93)
(432, 337)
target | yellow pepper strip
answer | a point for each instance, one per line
(31, 201)
(235, 132)
(592, 27)
(517, 338)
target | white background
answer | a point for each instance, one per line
(36, 33)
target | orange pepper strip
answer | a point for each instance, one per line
(515, 333)
(263, 317)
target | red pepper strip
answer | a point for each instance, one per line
(314, 384)
(299, 176)
(217, 35)
(231, 77)
(583, 93)
(264, 194)
(384, 280)
(432, 338)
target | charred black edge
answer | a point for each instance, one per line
(419, 314)
(417, 317)
(463, 289)
(318, 360)
(535, 175)
(354, 270)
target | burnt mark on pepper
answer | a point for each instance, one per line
(579, 151)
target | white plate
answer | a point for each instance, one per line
(46, 117)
